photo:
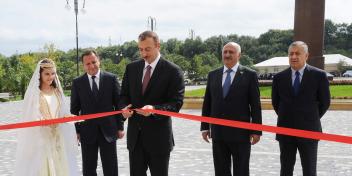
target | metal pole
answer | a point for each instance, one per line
(77, 58)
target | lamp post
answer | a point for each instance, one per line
(118, 57)
(76, 15)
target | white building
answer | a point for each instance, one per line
(278, 64)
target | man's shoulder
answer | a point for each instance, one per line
(168, 63)
(243, 68)
(220, 69)
(315, 69)
(283, 72)
(79, 78)
(108, 74)
(135, 63)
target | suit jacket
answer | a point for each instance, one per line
(242, 103)
(304, 110)
(165, 91)
(84, 102)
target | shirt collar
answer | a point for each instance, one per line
(97, 76)
(234, 68)
(153, 64)
(301, 71)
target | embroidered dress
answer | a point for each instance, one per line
(45, 150)
(55, 161)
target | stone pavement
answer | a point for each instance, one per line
(192, 156)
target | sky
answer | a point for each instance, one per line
(27, 25)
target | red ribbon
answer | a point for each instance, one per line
(258, 127)
(230, 123)
(56, 121)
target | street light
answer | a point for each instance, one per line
(76, 14)
(118, 57)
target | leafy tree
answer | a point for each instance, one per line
(67, 72)
(130, 50)
(172, 46)
(180, 61)
(109, 66)
(108, 52)
(51, 52)
(201, 65)
(246, 60)
(121, 67)
(192, 47)
(214, 45)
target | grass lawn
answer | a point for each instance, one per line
(337, 91)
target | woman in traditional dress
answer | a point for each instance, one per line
(46, 150)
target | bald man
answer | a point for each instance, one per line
(232, 93)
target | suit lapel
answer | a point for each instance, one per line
(218, 79)
(236, 80)
(305, 79)
(87, 86)
(288, 73)
(140, 68)
(101, 85)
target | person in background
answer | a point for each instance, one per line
(94, 92)
(232, 93)
(300, 97)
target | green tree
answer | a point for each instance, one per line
(180, 61)
(246, 60)
(214, 45)
(130, 50)
(67, 72)
(108, 52)
(109, 66)
(201, 65)
(172, 46)
(192, 47)
(121, 67)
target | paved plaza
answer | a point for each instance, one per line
(193, 157)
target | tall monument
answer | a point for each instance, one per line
(309, 27)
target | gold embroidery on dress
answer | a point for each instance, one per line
(44, 108)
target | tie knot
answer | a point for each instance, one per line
(228, 70)
(93, 77)
(149, 67)
(297, 73)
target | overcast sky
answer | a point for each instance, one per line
(26, 25)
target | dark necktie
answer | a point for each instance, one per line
(227, 83)
(146, 79)
(296, 83)
(94, 87)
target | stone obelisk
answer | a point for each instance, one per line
(309, 27)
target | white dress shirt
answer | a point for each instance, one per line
(97, 79)
(153, 65)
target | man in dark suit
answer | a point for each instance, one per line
(97, 91)
(300, 97)
(150, 83)
(232, 93)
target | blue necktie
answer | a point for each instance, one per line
(227, 83)
(296, 83)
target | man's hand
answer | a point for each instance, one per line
(254, 138)
(206, 136)
(128, 113)
(120, 134)
(145, 113)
